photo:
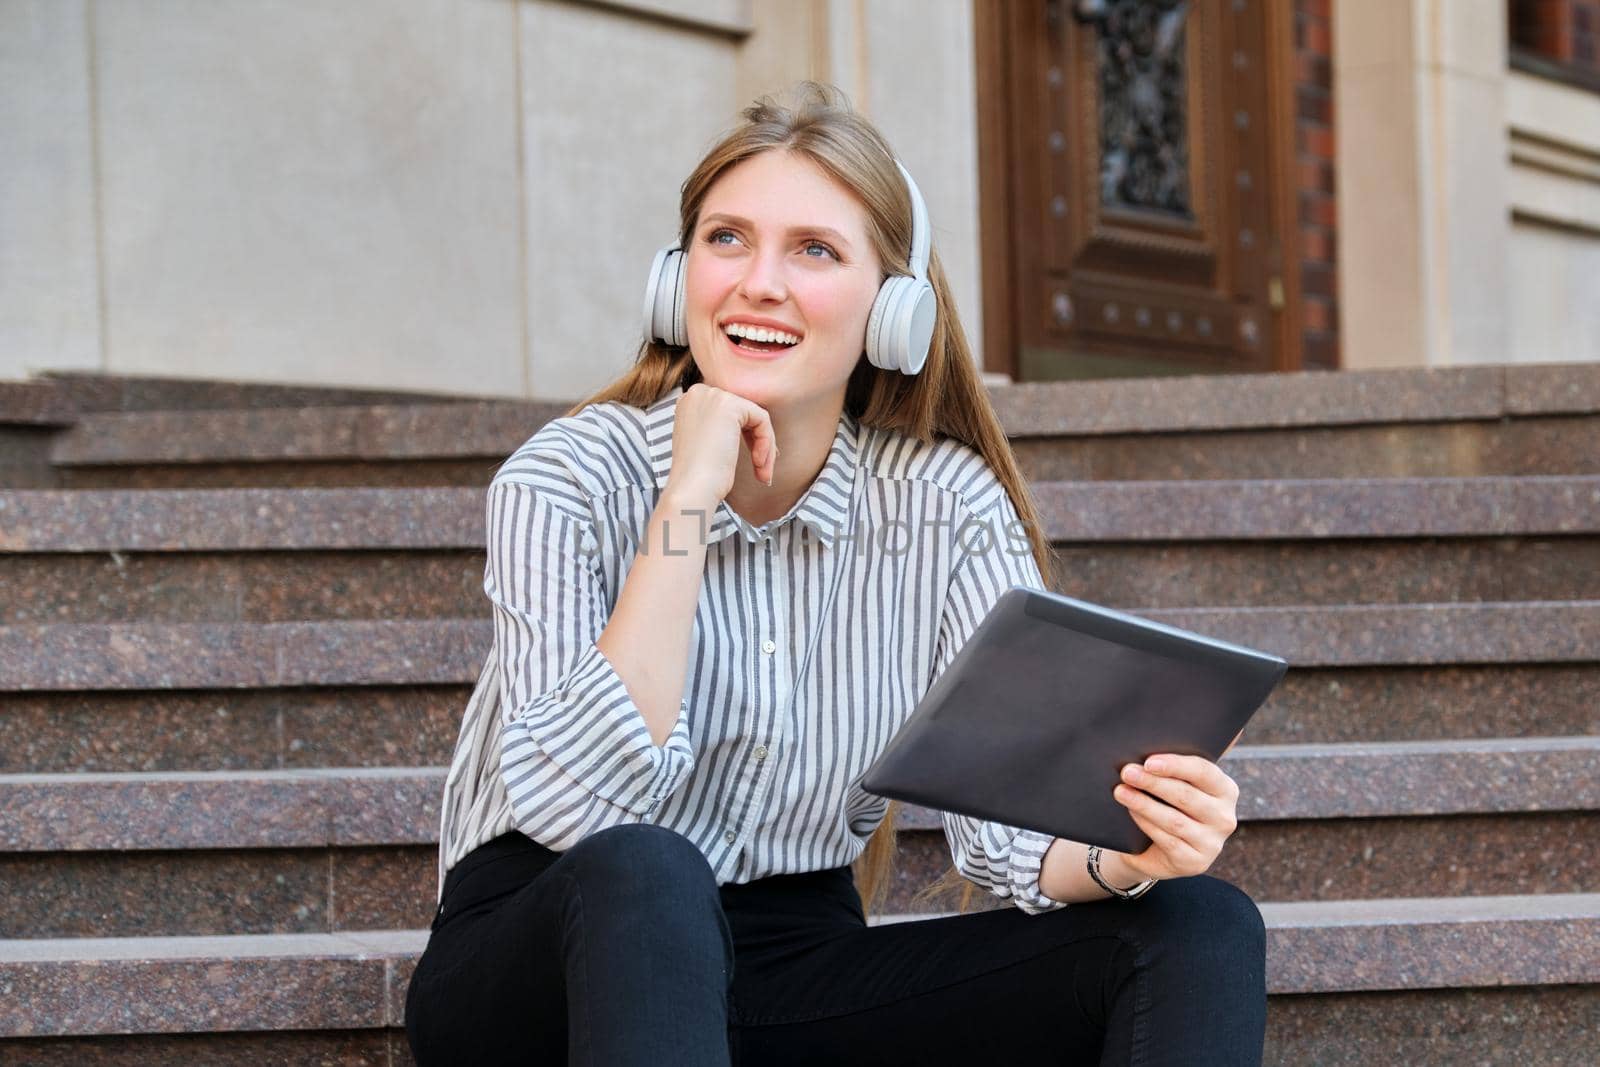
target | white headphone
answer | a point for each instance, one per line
(899, 329)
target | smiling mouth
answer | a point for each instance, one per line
(763, 348)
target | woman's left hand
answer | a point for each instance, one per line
(1185, 805)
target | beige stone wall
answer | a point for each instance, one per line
(1469, 194)
(448, 195)
(49, 282)
(1555, 231)
(1423, 225)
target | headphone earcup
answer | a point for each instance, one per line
(664, 297)
(875, 353)
(900, 328)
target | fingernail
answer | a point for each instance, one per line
(1155, 765)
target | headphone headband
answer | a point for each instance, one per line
(920, 237)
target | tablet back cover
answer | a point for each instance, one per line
(1032, 722)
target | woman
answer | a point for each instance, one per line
(704, 635)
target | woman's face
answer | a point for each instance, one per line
(780, 242)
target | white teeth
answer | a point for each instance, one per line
(760, 333)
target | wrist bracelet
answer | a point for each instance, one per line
(1126, 894)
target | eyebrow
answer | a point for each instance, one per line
(818, 231)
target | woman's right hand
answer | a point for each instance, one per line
(709, 427)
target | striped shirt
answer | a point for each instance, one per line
(815, 635)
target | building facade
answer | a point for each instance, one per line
(463, 196)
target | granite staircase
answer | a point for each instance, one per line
(238, 625)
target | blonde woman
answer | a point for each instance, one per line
(718, 587)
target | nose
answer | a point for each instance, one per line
(763, 279)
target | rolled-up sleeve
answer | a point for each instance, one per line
(576, 754)
(992, 554)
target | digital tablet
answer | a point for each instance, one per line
(1034, 719)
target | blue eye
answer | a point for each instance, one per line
(711, 239)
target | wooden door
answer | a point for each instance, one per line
(1136, 177)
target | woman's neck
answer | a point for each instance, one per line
(804, 441)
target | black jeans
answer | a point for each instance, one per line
(624, 951)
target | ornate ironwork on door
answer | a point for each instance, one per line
(1144, 136)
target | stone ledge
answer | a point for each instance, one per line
(367, 432)
(1046, 409)
(1405, 634)
(121, 656)
(352, 807)
(233, 520)
(1432, 943)
(1319, 508)
(358, 980)
(34, 404)
(1552, 388)
(68, 656)
(196, 520)
(1310, 398)
(360, 944)
(92, 391)
(138, 892)
(345, 807)
(352, 980)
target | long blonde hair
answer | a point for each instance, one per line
(946, 399)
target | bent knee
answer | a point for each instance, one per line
(1207, 907)
(641, 854)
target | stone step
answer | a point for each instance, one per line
(397, 805)
(1462, 421)
(93, 855)
(331, 585)
(408, 725)
(1545, 445)
(31, 416)
(128, 656)
(1531, 446)
(93, 391)
(459, 444)
(354, 725)
(32, 412)
(25, 457)
(35, 403)
(151, 697)
(1202, 402)
(1443, 422)
(222, 998)
(300, 554)
(319, 586)
(310, 889)
(1418, 703)
(124, 656)
(47, 522)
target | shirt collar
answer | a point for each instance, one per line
(823, 508)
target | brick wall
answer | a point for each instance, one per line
(1314, 144)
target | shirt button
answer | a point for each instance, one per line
(730, 837)
(761, 752)
(769, 646)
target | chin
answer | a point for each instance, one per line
(752, 388)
